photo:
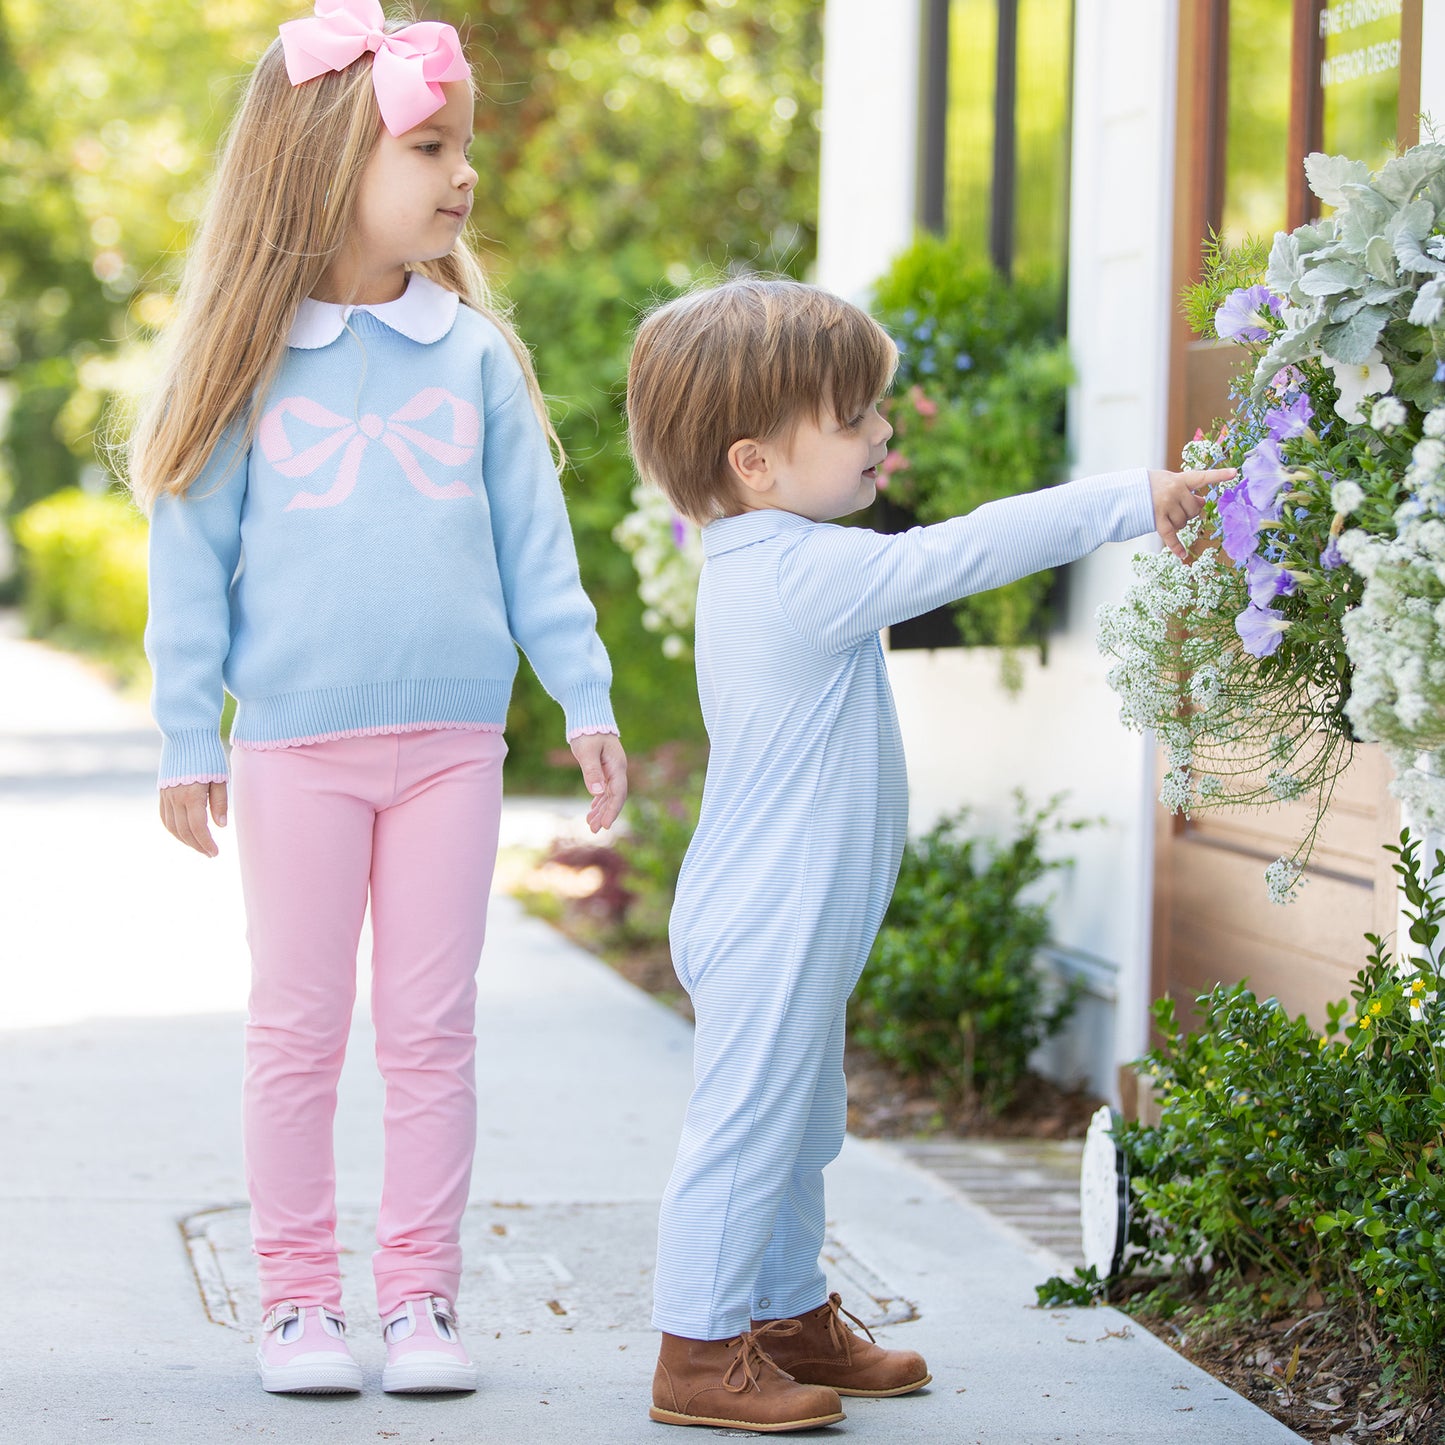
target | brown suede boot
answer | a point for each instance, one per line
(734, 1383)
(824, 1351)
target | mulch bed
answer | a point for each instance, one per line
(1307, 1366)
(884, 1104)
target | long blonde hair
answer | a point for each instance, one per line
(281, 205)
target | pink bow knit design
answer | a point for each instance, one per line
(410, 63)
(393, 433)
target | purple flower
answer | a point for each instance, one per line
(1266, 581)
(1265, 477)
(1244, 311)
(1261, 629)
(1440, 371)
(1331, 557)
(1239, 522)
(679, 531)
(1291, 420)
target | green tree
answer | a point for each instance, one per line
(104, 150)
(645, 145)
(624, 148)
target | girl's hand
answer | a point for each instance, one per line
(604, 770)
(1177, 500)
(183, 811)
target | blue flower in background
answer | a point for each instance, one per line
(963, 361)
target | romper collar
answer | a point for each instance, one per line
(729, 533)
(424, 312)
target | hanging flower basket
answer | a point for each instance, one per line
(1312, 615)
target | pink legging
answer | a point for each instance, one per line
(412, 818)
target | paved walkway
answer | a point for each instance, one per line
(128, 1288)
(1031, 1184)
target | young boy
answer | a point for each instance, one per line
(753, 406)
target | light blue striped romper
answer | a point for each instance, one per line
(803, 821)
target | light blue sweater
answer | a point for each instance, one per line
(373, 561)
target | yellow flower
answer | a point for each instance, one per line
(1377, 1007)
(1365, 1022)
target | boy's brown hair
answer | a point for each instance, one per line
(748, 358)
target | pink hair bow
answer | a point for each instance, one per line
(410, 63)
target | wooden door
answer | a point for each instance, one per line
(1239, 153)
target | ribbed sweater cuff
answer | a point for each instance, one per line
(194, 754)
(589, 709)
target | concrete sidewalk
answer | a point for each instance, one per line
(128, 1289)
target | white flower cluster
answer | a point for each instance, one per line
(1203, 454)
(1395, 640)
(1346, 496)
(1425, 476)
(667, 553)
(1387, 414)
(1284, 878)
(1155, 655)
(1420, 786)
(1285, 786)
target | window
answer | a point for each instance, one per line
(996, 130)
(1262, 83)
(1265, 82)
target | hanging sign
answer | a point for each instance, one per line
(1360, 77)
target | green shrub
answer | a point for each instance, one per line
(977, 408)
(953, 991)
(1308, 1158)
(34, 461)
(85, 573)
(578, 317)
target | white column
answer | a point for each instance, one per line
(867, 200)
(1120, 306)
(1432, 66)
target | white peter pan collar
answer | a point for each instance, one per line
(424, 312)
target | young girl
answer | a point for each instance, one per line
(754, 407)
(356, 522)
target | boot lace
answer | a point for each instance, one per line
(742, 1373)
(838, 1332)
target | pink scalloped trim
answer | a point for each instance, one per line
(385, 730)
(194, 778)
(592, 733)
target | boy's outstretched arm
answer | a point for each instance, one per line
(1179, 498)
(841, 585)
